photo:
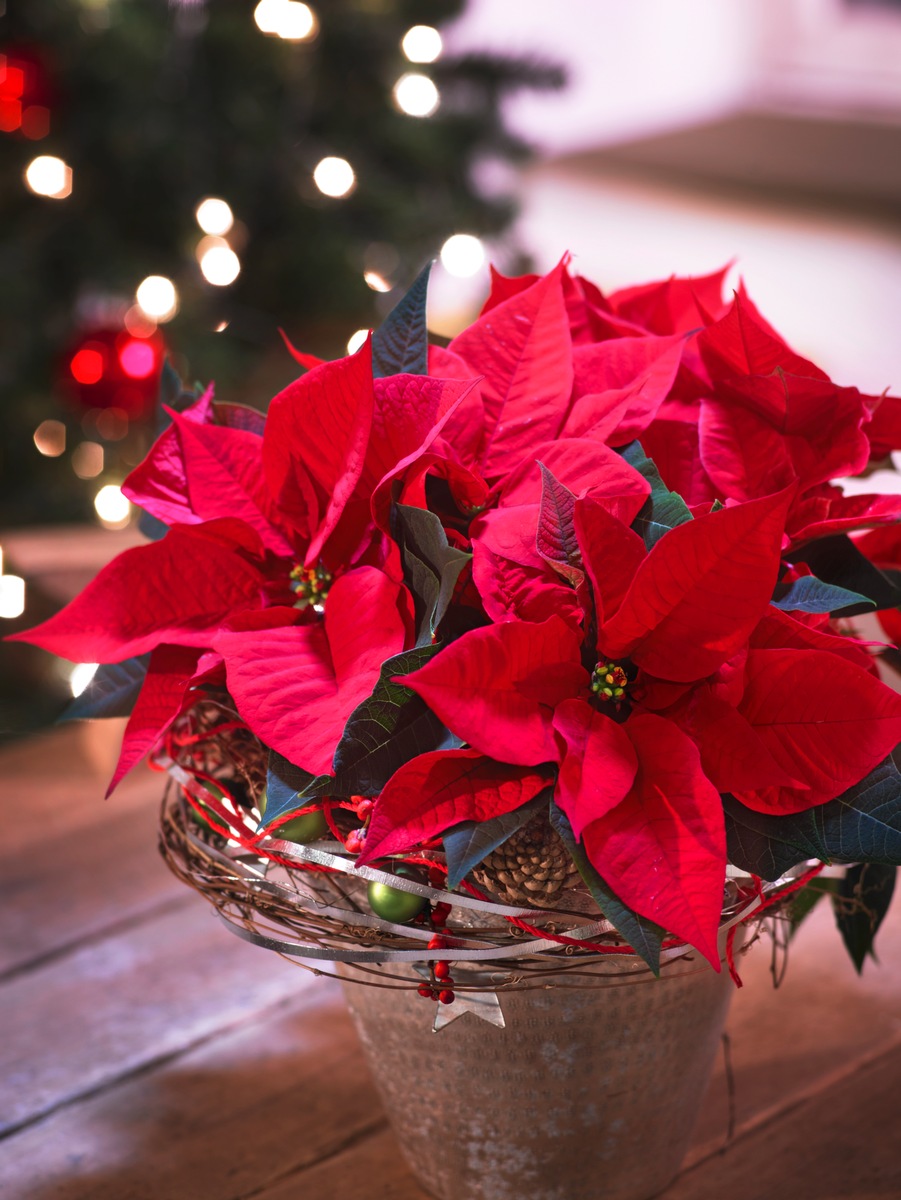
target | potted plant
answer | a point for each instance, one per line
(517, 676)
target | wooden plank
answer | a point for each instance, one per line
(118, 1005)
(258, 1104)
(372, 1168)
(785, 1040)
(843, 1143)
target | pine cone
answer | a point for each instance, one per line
(532, 867)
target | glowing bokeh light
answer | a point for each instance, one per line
(214, 216)
(87, 460)
(287, 19)
(422, 44)
(50, 438)
(12, 596)
(462, 255)
(112, 424)
(87, 364)
(112, 506)
(137, 359)
(157, 298)
(80, 676)
(356, 340)
(416, 95)
(219, 264)
(377, 282)
(49, 176)
(334, 177)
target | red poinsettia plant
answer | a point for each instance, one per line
(589, 556)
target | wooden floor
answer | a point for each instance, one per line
(147, 1054)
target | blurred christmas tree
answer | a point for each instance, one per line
(343, 161)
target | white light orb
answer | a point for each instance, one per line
(87, 460)
(416, 95)
(356, 340)
(377, 282)
(462, 255)
(214, 216)
(334, 177)
(12, 596)
(219, 264)
(288, 19)
(49, 176)
(157, 298)
(50, 438)
(422, 44)
(112, 506)
(266, 15)
(80, 676)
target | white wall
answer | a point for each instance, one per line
(635, 66)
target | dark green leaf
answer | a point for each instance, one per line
(431, 566)
(811, 595)
(663, 510)
(804, 901)
(555, 538)
(286, 784)
(642, 935)
(468, 843)
(388, 729)
(861, 825)
(111, 693)
(400, 344)
(860, 904)
(837, 560)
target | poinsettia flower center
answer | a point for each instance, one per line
(609, 682)
(311, 586)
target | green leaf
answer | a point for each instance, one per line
(388, 729)
(663, 510)
(837, 560)
(400, 344)
(642, 935)
(811, 595)
(803, 902)
(468, 843)
(861, 825)
(431, 566)
(111, 693)
(860, 903)
(289, 787)
(555, 538)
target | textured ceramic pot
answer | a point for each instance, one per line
(587, 1093)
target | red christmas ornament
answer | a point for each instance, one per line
(112, 368)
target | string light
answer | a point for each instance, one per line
(214, 216)
(157, 298)
(80, 676)
(334, 177)
(86, 364)
(87, 460)
(416, 95)
(112, 506)
(462, 255)
(12, 596)
(377, 282)
(422, 44)
(137, 359)
(356, 340)
(219, 264)
(50, 438)
(287, 19)
(49, 176)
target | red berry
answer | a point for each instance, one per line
(354, 840)
(436, 877)
(364, 808)
(436, 943)
(424, 990)
(442, 970)
(434, 996)
(448, 982)
(446, 996)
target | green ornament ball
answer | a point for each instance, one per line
(308, 827)
(392, 904)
